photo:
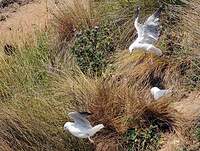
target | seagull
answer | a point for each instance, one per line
(81, 127)
(157, 93)
(148, 33)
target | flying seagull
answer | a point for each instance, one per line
(81, 127)
(157, 93)
(148, 33)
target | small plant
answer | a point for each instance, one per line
(198, 132)
(92, 49)
(145, 139)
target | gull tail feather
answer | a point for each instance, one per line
(96, 128)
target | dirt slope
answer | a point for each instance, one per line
(23, 21)
(190, 108)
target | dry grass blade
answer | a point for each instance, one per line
(71, 16)
(142, 71)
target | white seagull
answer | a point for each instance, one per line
(157, 93)
(81, 127)
(148, 33)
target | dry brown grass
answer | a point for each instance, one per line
(119, 109)
(118, 106)
(71, 16)
(21, 28)
(142, 71)
(35, 125)
(34, 120)
(190, 25)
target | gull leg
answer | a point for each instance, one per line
(91, 140)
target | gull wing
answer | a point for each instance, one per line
(137, 25)
(150, 31)
(80, 119)
(162, 93)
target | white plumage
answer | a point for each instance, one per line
(81, 127)
(157, 93)
(148, 33)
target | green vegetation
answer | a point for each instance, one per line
(145, 139)
(25, 71)
(38, 89)
(198, 132)
(92, 49)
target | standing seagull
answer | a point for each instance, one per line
(81, 127)
(157, 93)
(148, 33)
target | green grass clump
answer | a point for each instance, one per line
(25, 71)
(31, 114)
(92, 49)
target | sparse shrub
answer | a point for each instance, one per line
(198, 132)
(93, 48)
(142, 140)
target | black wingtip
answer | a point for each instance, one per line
(85, 113)
(160, 9)
(137, 11)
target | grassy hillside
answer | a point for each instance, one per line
(80, 62)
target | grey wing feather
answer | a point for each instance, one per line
(163, 92)
(80, 119)
(151, 29)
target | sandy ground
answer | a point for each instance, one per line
(190, 108)
(23, 21)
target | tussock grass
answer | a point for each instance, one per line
(35, 124)
(69, 19)
(24, 71)
(142, 71)
(120, 109)
(31, 114)
(189, 41)
(36, 97)
(71, 16)
(118, 106)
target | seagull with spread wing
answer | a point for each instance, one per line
(81, 127)
(148, 33)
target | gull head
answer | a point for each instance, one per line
(67, 125)
(154, 90)
(131, 47)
